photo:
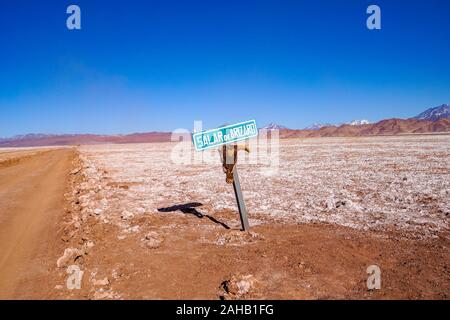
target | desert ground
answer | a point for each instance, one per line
(141, 226)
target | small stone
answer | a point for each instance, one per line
(89, 244)
(239, 285)
(69, 256)
(126, 215)
(153, 243)
(152, 240)
(133, 229)
(140, 210)
(101, 282)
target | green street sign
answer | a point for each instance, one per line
(224, 135)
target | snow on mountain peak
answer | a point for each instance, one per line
(358, 122)
(274, 126)
(317, 126)
(434, 114)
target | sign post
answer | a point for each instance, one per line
(221, 137)
(229, 134)
(240, 201)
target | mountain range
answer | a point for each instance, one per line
(436, 119)
(383, 127)
(432, 120)
(431, 114)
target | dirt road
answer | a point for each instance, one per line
(31, 203)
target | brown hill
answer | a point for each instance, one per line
(78, 139)
(384, 127)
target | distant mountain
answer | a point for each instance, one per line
(358, 122)
(317, 126)
(434, 114)
(384, 127)
(431, 121)
(27, 137)
(274, 126)
(36, 140)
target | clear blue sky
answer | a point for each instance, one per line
(159, 65)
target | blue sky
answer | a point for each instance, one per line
(159, 65)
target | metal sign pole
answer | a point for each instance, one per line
(224, 136)
(240, 201)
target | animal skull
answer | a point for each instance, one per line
(229, 159)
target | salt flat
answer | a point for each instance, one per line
(397, 183)
(141, 224)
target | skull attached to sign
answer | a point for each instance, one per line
(228, 156)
